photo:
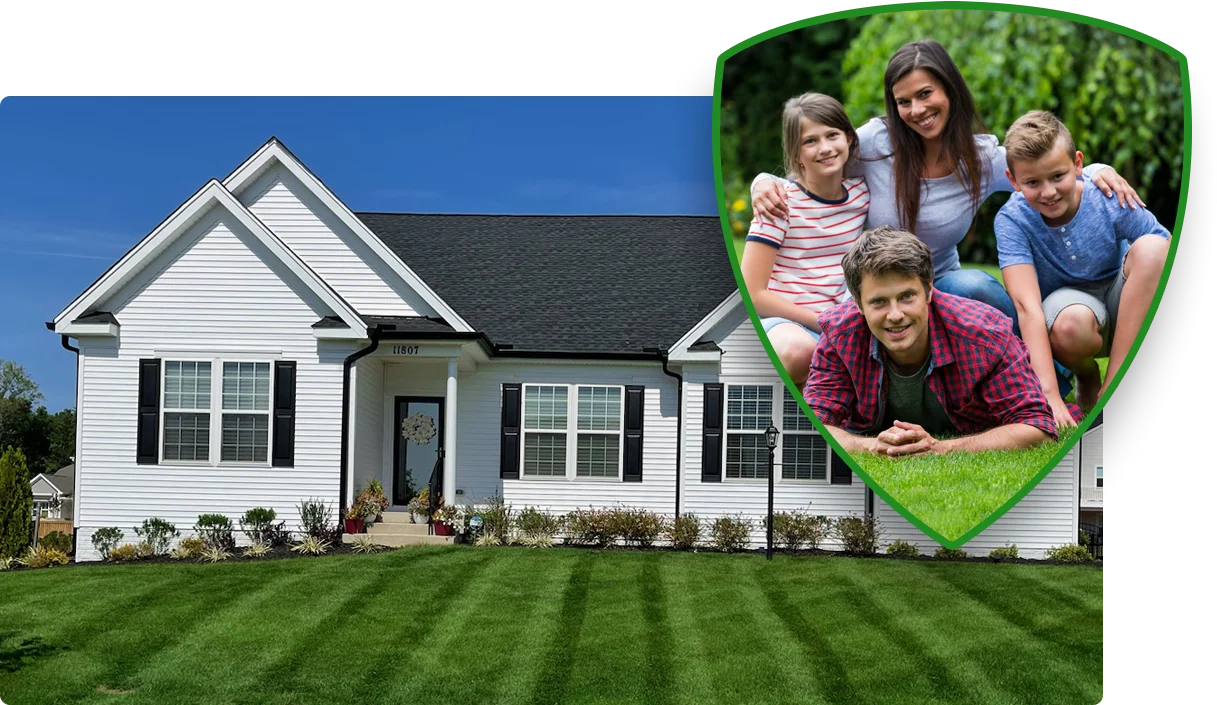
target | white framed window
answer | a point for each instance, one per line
(749, 414)
(216, 419)
(186, 411)
(1098, 476)
(804, 451)
(573, 431)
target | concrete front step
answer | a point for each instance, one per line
(395, 540)
(398, 529)
(396, 518)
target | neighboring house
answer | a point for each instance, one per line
(264, 345)
(1090, 499)
(53, 493)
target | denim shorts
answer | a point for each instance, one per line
(770, 323)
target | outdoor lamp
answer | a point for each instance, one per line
(771, 437)
(771, 440)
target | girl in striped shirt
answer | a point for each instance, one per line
(792, 265)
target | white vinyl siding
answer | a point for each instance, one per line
(328, 247)
(215, 293)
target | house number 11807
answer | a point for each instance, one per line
(405, 349)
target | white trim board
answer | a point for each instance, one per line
(680, 350)
(213, 193)
(275, 151)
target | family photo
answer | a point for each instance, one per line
(952, 225)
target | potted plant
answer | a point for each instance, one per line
(419, 506)
(374, 500)
(353, 519)
(444, 519)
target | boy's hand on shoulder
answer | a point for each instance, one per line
(769, 199)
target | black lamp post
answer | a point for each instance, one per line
(771, 440)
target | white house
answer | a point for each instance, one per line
(1090, 499)
(53, 492)
(264, 344)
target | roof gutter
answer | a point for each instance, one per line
(680, 413)
(63, 339)
(374, 335)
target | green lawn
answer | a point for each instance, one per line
(465, 625)
(953, 493)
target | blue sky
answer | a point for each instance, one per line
(84, 179)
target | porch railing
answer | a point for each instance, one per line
(435, 485)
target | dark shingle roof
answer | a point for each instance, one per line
(585, 284)
(409, 324)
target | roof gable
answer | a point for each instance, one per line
(275, 153)
(80, 317)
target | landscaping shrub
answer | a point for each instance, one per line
(215, 554)
(536, 528)
(859, 535)
(258, 524)
(216, 531)
(591, 527)
(1004, 553)
(317, 520)
(16, 504)
(256, 549)
(902, 549)
(730, 533)
(788, 530)
(57, 540)
(486, 540)
(950, 554)
(1069, 553)
(684, 532)
(6, 563)
(816, 528)
(157, 533)
(312, 546)
(639, 527)
(363, 543)
(190, 548)
(126, 552)
(105, 539)
(45, 557)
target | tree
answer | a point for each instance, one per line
(16, 504)
(61, 435)
(16, 384)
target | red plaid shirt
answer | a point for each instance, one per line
(979, 371)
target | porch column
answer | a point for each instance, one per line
(450, 435)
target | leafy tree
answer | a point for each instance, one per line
(16, 384)
(16, 504)
(61, 439)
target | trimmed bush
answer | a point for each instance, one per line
(535, 528)
(592, 527)
(859, 536)
(684, 532)
(902, 549)
(158, 534)
(105, 539)
(950, 554)
(1004, 553)
(216, 531)
(816, 528)
(257, 524)
(58, 541)
(638, 527)
(1069, 553)
(730, 534)
(16, 504)
(126, 552)
(190, 548)
(788, 530)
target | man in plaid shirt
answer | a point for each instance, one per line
(906, 369)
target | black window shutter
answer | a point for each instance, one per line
(284, 452)
(840, 473)
(633, 433)
(509, 430)
(712, 434)
(148, 433)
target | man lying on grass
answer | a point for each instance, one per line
(903, 366)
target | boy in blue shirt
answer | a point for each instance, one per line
(1082, 269)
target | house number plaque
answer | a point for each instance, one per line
(405, 349)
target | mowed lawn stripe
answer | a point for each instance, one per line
(559, 655)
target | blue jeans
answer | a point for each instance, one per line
(981, 286)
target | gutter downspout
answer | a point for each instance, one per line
(680, 415)
(63, 339)
(374, 335)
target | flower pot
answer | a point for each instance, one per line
(418, 518)
(442, 529)
(353, 526)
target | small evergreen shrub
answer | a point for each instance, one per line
(58, 541)
(16, 504)
(1069, 553)
(536, 528)
(730, 533)
(124, 553)
(317, 520)
(44, 557)
(902, 549)
(1004, 553)
(859, 536)
(788, 530)
(105, 539)
(189, 549)
(257, 524)
(639, 527)
(216, 531)
(950, 554)
(684, 532)
(591, 527)
(158, 534)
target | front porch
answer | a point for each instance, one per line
(396, 529)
